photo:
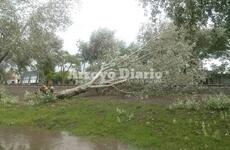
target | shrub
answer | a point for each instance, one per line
(190, 104)
(217, 102)
(214, 102)
(38, 98)
(5, 98)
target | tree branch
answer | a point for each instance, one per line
(4, 57)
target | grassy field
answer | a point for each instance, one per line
(143, 124)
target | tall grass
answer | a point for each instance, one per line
(212, 102)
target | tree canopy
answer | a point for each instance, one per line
(28, 32)
(208, 19)
(101, 47)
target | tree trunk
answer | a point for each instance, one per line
(71, 92)
(86, 87)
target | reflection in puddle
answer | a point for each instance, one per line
(29, 139)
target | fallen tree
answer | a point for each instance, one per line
(97, 81)
(168, 51)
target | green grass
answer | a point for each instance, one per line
(141, 124)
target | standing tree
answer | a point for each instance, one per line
(45, 48)
(202, 19)
(102, 47)
(67, 63)
(27, 26)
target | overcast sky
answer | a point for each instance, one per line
(125, 17)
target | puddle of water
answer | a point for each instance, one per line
(30, 139)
